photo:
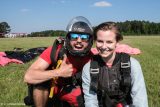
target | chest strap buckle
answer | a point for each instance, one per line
(94, 71)
(125, 65)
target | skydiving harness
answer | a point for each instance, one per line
(112, 85)
(57, 53)
(56, 56)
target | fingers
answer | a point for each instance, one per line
(66, 71)
(65, 68)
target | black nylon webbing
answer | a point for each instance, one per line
(54, 54)
(126, 71)
(94, 73)
(126, 76)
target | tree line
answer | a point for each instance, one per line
(134, 27)
(139, 28)
(48, 33)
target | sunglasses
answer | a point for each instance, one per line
(75, 36)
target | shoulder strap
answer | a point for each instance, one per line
(94, 73)
(103, 98)
(125, 71)
(57, 51)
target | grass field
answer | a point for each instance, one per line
(13, 89)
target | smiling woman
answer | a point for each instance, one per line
(112, 79)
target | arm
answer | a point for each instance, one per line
(138, 91)
(37, 72)
(90, 97)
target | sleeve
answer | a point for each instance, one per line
(46, 55)
(138, 91)
(90, 97)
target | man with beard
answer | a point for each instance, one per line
(76, 53)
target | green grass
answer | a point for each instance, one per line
(13, 89)
(150, 62)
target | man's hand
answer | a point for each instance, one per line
(65, 70)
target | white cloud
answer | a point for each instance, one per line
(102, 4)
(24, 10)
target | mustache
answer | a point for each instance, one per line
(78, 43)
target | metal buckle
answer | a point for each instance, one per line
(94, 71)
(125, 65)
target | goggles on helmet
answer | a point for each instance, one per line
(83, 36)
(79, 28)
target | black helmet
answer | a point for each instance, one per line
(79, 25)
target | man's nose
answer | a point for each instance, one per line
(79, 39)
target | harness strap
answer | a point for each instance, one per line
(125, 72)
(94, 74)
(76, 79)
(126, 76)
(125, 81)
(56, 57)
(104, 99)
(57, 51)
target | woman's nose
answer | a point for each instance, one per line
(104, 45)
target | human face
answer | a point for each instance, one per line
(78, 42)
(106, 42)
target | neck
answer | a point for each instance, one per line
(109, 60)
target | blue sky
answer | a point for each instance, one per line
(38, 15)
